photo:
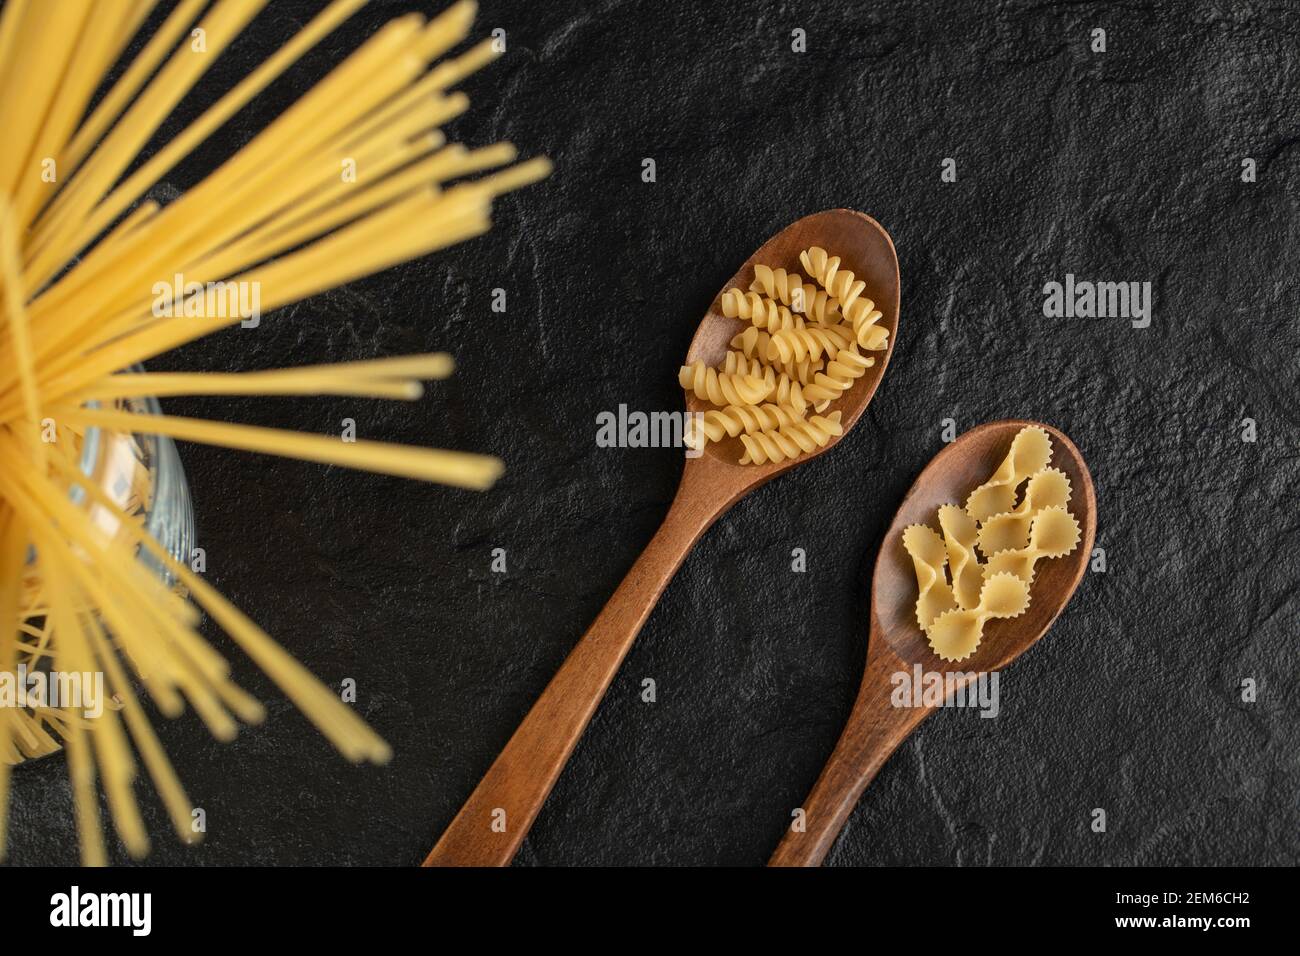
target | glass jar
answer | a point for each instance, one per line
(142, 475)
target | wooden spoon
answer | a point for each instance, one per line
(875, 727)
(494, 821)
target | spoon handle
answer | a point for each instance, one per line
(873, 732)
(497, 816)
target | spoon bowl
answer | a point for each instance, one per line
(497, 816)
(897, 644)
(949, 478)
(865, 249)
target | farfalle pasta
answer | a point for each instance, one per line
(955, 635)
(800, 351)
(1005, 532)
(1054, 533)
(928, 554)
(957, 592)
(1030, 452)
(960, 534)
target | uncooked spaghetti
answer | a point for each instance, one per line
(353, 178)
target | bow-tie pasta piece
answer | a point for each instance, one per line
(928, 554)
(959, 534)
(955, 635)
(1049, 488)
(1054, 534)
(1031, 450)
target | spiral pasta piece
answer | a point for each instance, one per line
(802, 349)
(802, 372)
(753, 343)
(737, 363)
(863, 318)
(823, 389)
(796, 345)
(762, 311)
(861, 313)
(785, 389)
(723, 388)
(790, 441)
(848, 365)
(788, 288)
(840, 283)
(791, 394)
(735, 420)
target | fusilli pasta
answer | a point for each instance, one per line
(791, 440)
(796, 345)
(763, 312)
(785, 390)
(788, 288)
(722, 388)
(737, 420)
(861, 313)
(799, 353)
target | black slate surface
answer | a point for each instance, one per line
(1124, 165)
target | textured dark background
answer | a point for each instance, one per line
(1120, 166)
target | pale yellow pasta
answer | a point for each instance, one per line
(801, 365)
(90, 92)
(1030, 452)
(848, 365)
(1049, 488)
(801, 372)
(737, 363)
(933, 593)
(825, 389)
(721, 388)
(955, 635)
(812, 342)
(790, 441)
(737, 420)
(784, 390)
(753, 343)
(859, 312)
(763, 312)
(788, 288)
(1013, 541)
(959, 535)
(1053, 534)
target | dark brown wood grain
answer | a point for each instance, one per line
(522, 776)
(875, 727)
